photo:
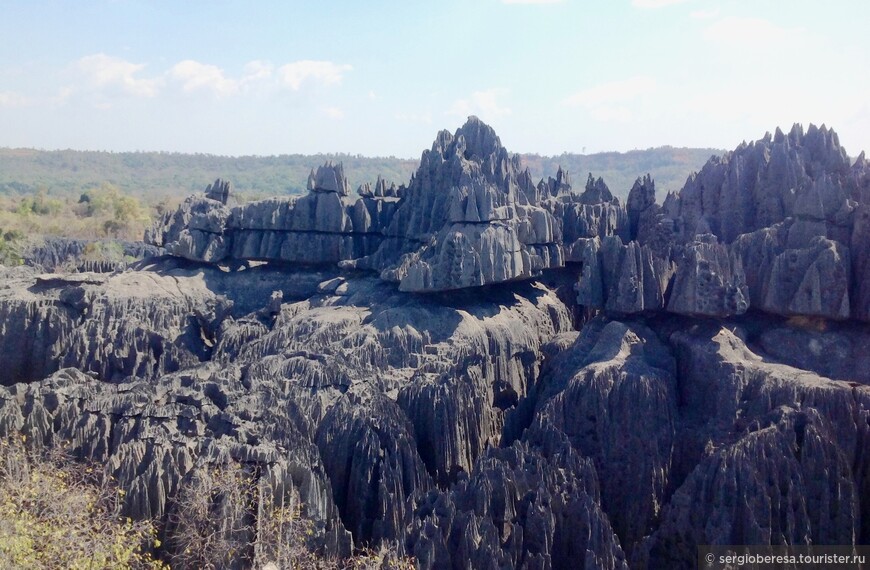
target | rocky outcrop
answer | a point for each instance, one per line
(521, 507)
(794, 274)
(470, 216)
(613, 393)
(323, 227)
(466, 428)
(621, 278)
(52, 254)
(764, 182)
(132, 324)
(701, 440)
(368, 448)
(319, 392)
(154, 437)
(782, 440)
(777, 225)
(472, 426)
(329, 179)
(830, 349)
(709, 281)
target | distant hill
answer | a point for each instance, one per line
(669, 167)
(155, 175)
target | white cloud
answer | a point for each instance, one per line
(424, 118)
(195, 76)
(103, 71)
(293, 75)
(333, 112)
(705, 14)
(63, 95)
(655, 3)
(612, 101)
(12, 99)
(257, 71)
(484, 103)
(611, 114)
(749, 33)
(622, 90)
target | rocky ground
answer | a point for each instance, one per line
(481, 371)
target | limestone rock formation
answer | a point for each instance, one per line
(758, 227)
(470, 216)
(329, 178)
(132, 324)
(780, 439)
(709, 281)
(408, 362)
(304, 379)
(596, 191)
(613, 393)
(59, 254)
(621, 278)
(777, 225)
(521, 507)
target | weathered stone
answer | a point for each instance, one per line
(709, 281)
(613, 393)
(329, 178)
(622, 278)
(521, 507)
(471, 426)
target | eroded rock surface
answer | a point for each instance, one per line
(406, 361)
(778, 225)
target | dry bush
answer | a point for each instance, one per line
(806, 322)
(220, 520)
(56, 513)
(210, 524)
(97, 213)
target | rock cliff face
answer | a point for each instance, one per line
(442, 401)
(470, 216)
(779, 225)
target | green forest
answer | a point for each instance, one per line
(157, 175)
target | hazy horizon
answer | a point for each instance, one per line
(381, 79)
(352, 154)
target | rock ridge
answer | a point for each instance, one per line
(781, 224)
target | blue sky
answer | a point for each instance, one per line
(381, 78)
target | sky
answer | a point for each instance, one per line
(381, 78)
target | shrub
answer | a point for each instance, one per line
(11, 243)
(219, 520)
(56, 513)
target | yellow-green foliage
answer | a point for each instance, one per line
(39, 204)
(98, 212)
(104, 251)
(55, 513)
(10, 247)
